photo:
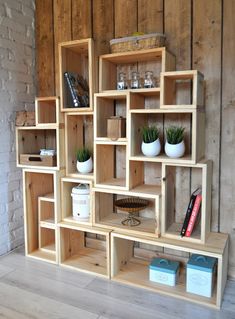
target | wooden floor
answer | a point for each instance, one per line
(33, 289)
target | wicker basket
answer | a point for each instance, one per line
(146, 41)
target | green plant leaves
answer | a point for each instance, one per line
(174, 134)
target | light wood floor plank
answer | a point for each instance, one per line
(36, 306)
(5, 270)
(165, 306)
(34, 289)
(75, 296)
(18, 261)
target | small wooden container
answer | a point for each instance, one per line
(116, 127)
(37, 160)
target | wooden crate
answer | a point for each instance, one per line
(25, 118)
(77, 255)
(29, 142)
(175, 201)
(41, 200)
(107, 216)
(111, 169)
(66, 202)
(47, 240)
(37, 160)
(107, 106)
(133, 269)
(157, 60)
(145, 177)
(173, 82)
(47, 111)
(78, 133)
(46, 211)
(191, 120)
(145, 99)
(77, 56)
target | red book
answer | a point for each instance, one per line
(193, 217)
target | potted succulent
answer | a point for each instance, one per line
(151, 145)
(174, 146)
(84, 161)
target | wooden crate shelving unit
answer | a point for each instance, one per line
(156, 177)
(121, 171)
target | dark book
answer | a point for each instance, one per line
(78, 89)
(189, 211)
(71, 83)
(194, 215)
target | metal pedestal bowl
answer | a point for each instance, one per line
(132, 206)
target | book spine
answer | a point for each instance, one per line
(188, 215)
(194, 215)
(75, 99)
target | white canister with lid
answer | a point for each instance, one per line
(81, 202)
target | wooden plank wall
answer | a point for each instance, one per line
(200, 33)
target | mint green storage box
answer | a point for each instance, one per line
(164, 271)
(200, 273)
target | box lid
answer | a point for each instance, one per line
(164, 265)
(136, 38)
(200, 262)
(81, 189)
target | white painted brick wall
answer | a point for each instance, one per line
(17, 92)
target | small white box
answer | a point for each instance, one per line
(164, 271)
(200, 273)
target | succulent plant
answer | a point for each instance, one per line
(174, 134)
(150, 134)
(83, 154)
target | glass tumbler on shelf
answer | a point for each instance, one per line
(122, 82)
(149, 80)
(135, 80)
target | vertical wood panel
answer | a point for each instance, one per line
(103, 25)
(150, 16)
(178, 33)
(207, 59)
(125, 17)
(62, 30)
(45, 48)
(227, 200)
(81, 19)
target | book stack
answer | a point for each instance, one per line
(192, 213)
(78, 89)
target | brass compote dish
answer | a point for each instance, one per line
(132, 206)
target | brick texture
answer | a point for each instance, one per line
(17, 92)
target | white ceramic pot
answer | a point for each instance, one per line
(175, 150)
(85, 167)
(151, 149)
